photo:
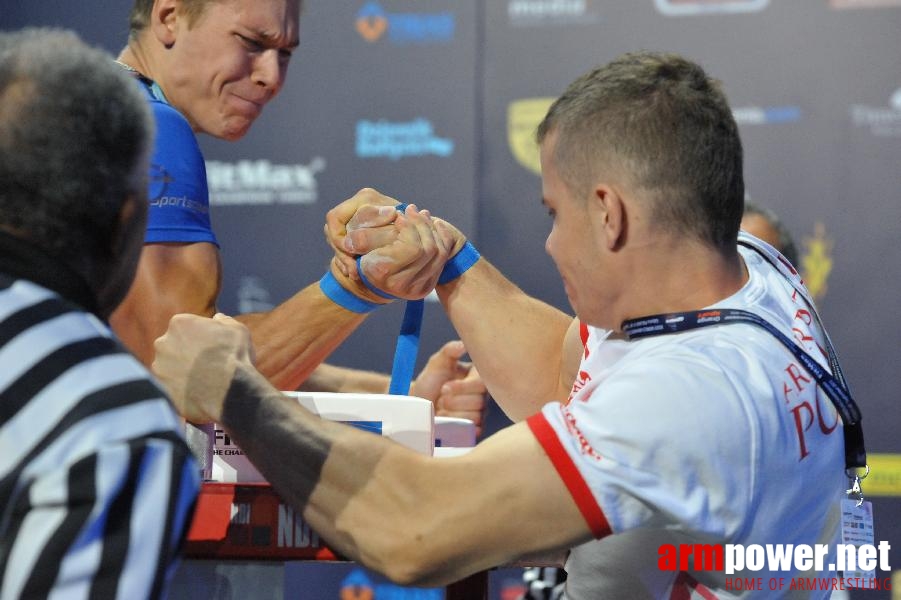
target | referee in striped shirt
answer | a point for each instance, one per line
(97, 486)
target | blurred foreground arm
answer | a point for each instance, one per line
(418, 520)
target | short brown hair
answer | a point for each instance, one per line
(663, 122)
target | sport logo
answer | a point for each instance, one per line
(680, 8)
(525, 13)
(374, 23)
(398, 140)
(523, 117)
(881, 121)
(843, 4)
(710, 316)
(293, 531)
(253, 296)
(159, 181)
(766, 115)
(261, 182)
(358, 586)
(371, 22)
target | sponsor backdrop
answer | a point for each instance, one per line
(435, 102)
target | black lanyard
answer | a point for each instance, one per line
(833, 384)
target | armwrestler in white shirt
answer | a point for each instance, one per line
(675, 439)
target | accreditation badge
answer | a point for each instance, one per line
(857, 530)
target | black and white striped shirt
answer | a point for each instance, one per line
(97, 486)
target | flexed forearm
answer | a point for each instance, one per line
(294, 338)
(516, 341)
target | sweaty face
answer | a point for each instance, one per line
(229, 62)
(572, 242)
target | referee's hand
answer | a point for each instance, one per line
(199, 360)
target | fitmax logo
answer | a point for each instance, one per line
(374, 23)
(261, 182)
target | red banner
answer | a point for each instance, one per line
(250, 521)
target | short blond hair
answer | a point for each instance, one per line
(139, 17)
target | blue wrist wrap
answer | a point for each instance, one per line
(459, 264)
(337, 294)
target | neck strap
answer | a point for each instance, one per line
(833, 384)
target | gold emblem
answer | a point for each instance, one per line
(816, 264)
(372, 28)
(523, 117)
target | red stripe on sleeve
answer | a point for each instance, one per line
(570, 475)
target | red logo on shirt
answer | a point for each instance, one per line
(806, 404)
(574, 430)
(580, 382)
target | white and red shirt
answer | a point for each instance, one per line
(710, 436)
